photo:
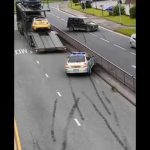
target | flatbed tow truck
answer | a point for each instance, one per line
(40, 41)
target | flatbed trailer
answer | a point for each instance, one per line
(40, 41)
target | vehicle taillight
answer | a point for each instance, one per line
(66, 66)
(85, 65)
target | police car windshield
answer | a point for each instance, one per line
(76, 59)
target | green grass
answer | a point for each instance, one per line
(125, 20)
(127, 31)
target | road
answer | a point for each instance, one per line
(57, 112)
(110, 45)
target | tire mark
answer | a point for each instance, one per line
(64, 144)
(75, 99)
(101, 100)
(117, 121)
(106, 122)
(53, 121)
(35, 143)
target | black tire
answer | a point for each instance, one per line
(71, 28)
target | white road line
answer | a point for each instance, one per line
(119, 46)
(63, 11)
(132, 53)
(105, 40)
(78, 123)
(57, 17)
(31, 52)
(114, 32)
(93, 34)
(63, 19)
(133, 66)
(46, 75)
(59, 94)
(37, 62)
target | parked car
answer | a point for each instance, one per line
(40, 23)
(79, 62)
(133, 40)
(31, 3)
(81, 23)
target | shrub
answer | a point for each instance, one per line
(75, 1)
(88, 5)
(116, 10)
(133, 12)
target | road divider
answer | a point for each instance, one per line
(118, 73)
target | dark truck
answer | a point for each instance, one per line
(81, 23)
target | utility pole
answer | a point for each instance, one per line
(119, 3)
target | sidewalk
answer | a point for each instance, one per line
(100, 21)
(123, 90)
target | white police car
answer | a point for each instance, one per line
(79, 62)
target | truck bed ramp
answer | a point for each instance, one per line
(47, 41)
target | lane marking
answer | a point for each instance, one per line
(114, 32)
(63, 11)
(132, 53)
(119, 46)
(37, 61)
(16, 136)
(63, 19)
(46, 75)
(58, 17)
(93, 34)
(104, 40)
(17, 52)
(59, 94)
(24, 51)
(133, 66)
(77, 122)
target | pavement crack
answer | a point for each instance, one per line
(101, 100)
(53, 121)
(107, 123)
(64, 144)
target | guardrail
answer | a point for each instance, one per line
(111, 68)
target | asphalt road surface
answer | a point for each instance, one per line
(54, 111)
(112, 46)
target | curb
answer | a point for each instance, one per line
(112, 85)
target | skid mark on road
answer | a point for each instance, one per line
(101, 100)
(35, 143)
(75, 99)
(117, 121)
(53, 121)
(106, 122)
(70, 116)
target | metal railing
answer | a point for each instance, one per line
(111, 68)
